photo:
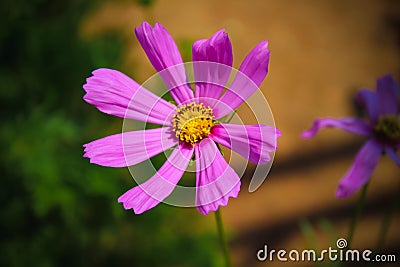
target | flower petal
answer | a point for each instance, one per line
(250, 76)
(360, 172)
(351, 125)
(388, 95)
(150, 193)
(163, 54)
(212, 77)
(369, 101)
(114, 93)
(216, 181)
(129, 148)
(253, 142)
(392, 154)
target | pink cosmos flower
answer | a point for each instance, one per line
(382, 131)
(191, 126)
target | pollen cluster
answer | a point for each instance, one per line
(388, 128)
(192, 122)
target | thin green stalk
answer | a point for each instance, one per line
(231, 117)
(387, 220)
(356, 215)
(221, 237)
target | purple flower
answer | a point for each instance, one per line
(382, 131)
(190, 128)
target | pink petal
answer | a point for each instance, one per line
(114, 93)
(391, 152)
(163, 54)
(212, 77)
(130, 148)
(250, 76)
(149, 194)
(216, 181)
(387, 90)
(369, 101)
(253, 142)
(360, 172)
(351, 125)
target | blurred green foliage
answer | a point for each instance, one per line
(56, 208)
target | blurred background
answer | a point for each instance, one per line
(58, 210)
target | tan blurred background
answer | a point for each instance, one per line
(322, 52)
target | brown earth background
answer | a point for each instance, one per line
(322, 52)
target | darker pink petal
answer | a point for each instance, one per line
(114, 93)
(211, 78)
(360, 172)
(369, 101)
(255, 65)
(250, 76)
(387, 91)
(216, 181)
(253, 142)
(352, 125)
(163, 54)
(130, 148)
(149, 194)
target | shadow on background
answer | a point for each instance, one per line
(58, 210)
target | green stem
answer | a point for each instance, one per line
(387, 220)
(356, 215)
(221, 237)
(231, 117)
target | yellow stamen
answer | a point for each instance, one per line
(192, 122)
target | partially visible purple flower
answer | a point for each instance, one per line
(382, 130)
(191, 127)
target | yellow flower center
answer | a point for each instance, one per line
(388, 128)
(192, 122)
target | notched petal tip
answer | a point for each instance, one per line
(85, 151)
(114, 93)
(216, 49)
(101, 71)
(216, 181)
(214, 206)
(136, 192)
(261, 51)
(129, 148)
(143, 26)
(165, 57)
(252, 73)
(253, 142)
(160, 28)
(150, 193)
(263, 45)
(219, 36)
(138, 200)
